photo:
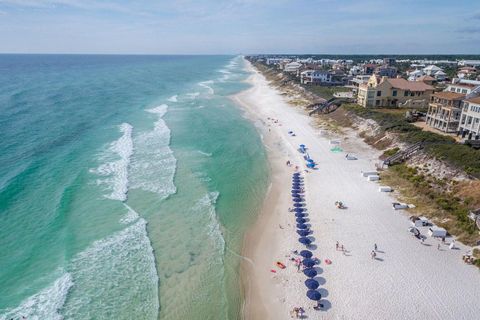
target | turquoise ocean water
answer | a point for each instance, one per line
(126, 184)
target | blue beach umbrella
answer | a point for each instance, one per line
(296, 174)
(300, 220)
(300, 215)
(312, 284)
(296, 195)
(304, 240)
(314, 295)
(310, 272)
(299, 210)
(306, 254)
(296, 190)
(302, 226)
(308, 262)
(297, 200)
(302, 146)
(298, 205)
(303, 233)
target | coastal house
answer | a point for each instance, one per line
(385, 71)
(469, 63)
(467, 73)
(415, 74)
(436, 72)
(398, 92)
(469, 126)
(317, 77)
(444, 111)
(427, 79)
(369, 68)
(292, 67)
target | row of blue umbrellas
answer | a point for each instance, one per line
(303, 231)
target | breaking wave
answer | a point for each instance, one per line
(115, 169)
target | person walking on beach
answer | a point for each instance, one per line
(438, 246)
(337, 245)
(373, 254)
(375, 247)
(341, 247)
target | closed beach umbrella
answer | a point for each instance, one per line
(314, 295)
(299, 210)
(298, 205)
(300, 220)
(303, 233)
(306, 254)
(304, 240)
(308, 262)
(310, 272)
(312, 284)
(302, 226)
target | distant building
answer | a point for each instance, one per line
(444, 111)
(435, 72)
(469, 63)
(369, 68)
(389, 61)
(467, 73)
(388, 92)
(386, 71)
(470, 119)
(273, 61)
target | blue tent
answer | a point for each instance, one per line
(312, 284)
(306, 254)
(310, 272)
(300, 220)
(308, 262)
(314, 295)
(304, 240)
(303, 233)
(302, 226)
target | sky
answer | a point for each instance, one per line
(240, 26)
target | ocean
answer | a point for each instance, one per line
(126, 185)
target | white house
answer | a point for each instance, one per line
(414, 75)
(315, 77)
(436, 72)
(292, 67)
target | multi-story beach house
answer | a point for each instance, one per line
(292, 67)
(444, 111)
(469, 126)
(397, 92)
(317, 77)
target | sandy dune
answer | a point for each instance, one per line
(408, 280)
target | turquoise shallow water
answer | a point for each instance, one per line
(126, 183)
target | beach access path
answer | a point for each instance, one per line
(407, 279)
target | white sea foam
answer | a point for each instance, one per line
(114, 172)
(115, 278)
(224, 71)
(45, 304)
(153, 164)
(130, 216)
(214, 230)
(173, 98)
(206, 84)
(193, 95)
(207, 154)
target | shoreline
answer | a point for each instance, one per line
(272, 236)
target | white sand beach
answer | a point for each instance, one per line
(407, 280)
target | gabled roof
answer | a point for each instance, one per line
(400, 83)
(426, 78)
(475, 100)
(448, 95)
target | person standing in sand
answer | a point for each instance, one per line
(336, 246)
(375, 247)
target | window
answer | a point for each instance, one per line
(379, 93)
(464, 91)
(394, 93)
(377, 102)
(405, 93)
